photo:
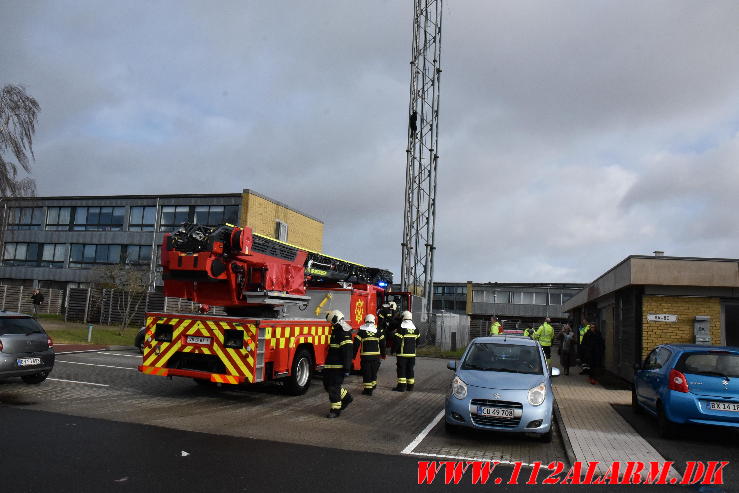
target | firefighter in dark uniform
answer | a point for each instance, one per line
(405, 349)
(387, 315)
(338, 361)
(371, 345)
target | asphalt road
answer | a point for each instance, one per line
(694, 443)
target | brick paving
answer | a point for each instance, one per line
(596, 432)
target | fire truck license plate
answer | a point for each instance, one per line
(198, 340)
(500, 412)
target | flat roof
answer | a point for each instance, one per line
(659, 270)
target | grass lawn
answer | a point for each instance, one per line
(62, 332)
(435, 352)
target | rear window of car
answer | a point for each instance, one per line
(512, 358)
(19, 325)
(722, 364)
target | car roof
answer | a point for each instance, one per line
(508, 339)
(13, 314)
(699, 347)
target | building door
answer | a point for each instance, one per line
(731, 324)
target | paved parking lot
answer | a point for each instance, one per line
(107, 385)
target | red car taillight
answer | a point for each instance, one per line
(678, 382)
(1, 346)
(49, 342)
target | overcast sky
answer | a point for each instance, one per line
(572, 133)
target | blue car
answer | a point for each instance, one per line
(687, 383)
(501, 383)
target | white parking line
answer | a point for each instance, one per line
(120, 354)
(75, 381)
(91, 364)
(409, 449)
(459, 457)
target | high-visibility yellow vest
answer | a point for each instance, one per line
(544, 334)
(583, 330)
(495, 328)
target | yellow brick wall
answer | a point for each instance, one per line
(261, 215)
(654, 333)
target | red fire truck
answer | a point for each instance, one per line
(275, 296)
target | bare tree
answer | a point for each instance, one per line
(18, 115)
(129, 282)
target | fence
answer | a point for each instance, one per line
(18, 299)
(109, 306)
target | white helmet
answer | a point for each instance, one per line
(334, 316)
(393, 305)
(407, 315)
(369, 319)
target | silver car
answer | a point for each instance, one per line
(501, 383)
(26, 350)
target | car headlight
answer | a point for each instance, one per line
(459, 388)
(537, 395)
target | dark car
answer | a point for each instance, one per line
(686, 383)
(26, 350)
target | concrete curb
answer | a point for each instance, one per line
(565, 437)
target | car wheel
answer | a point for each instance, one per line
(547, 437)
(299, 380)
(635, 406)
(139, 340)
(450, 428)
(666, 427)
(36, 378)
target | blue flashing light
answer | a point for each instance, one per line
(382, 284)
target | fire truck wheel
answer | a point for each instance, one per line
(299, 379)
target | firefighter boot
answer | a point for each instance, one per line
(334, 413)
(399, 388)
(346, 401)
(367, 392)
(410, 387)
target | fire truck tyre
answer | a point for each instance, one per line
(35, 378)
(203, 383)
(300, 374)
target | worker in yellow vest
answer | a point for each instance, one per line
(495, 327)
(545, 335)
(583, 329)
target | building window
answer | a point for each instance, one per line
(53, 255)
(35, 254)
(58, 218)
(281, 231)
(98, 218)
(478, 296)
(566, 297)
(89, 255)
(138, 254)
(503, 297)
(523, 298)
(25, 218)
(438, 290)
(540, 298)
(555, 298)
(173, 216)
(142, 218)
(216, 215)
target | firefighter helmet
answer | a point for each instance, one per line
(334, 316)
(369, 319)
(407, 315)
(393, 305)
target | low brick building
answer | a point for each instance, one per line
(649, 300)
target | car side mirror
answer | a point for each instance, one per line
(555, 372)
(452, 365)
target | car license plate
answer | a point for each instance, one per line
(198, 340)
(723, 406)
(498, 412)
(29, 361)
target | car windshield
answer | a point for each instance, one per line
(512, 358)
(716, 363)
(19, 325)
